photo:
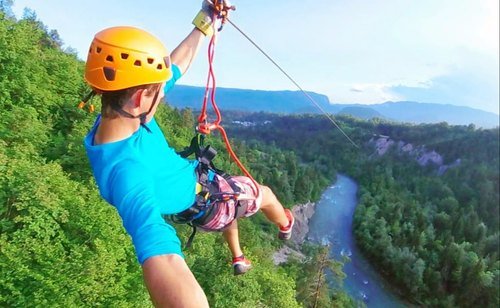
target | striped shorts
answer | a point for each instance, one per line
(223, 213)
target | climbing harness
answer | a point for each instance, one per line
(214, 189)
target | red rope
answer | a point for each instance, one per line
(203, 126)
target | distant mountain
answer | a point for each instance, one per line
(296, 102)
(365, 113)
(249, 100)
(414, 112)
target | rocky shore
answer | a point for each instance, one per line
(302, 214)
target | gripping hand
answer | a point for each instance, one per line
(210, 9)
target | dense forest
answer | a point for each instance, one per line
(432, 231)
(62, 245)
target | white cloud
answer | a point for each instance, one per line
(367, 93)
(473, 82)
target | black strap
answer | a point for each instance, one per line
(142, 116)
(194, 146)
(191, 237)
(204, 155)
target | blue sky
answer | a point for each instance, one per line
(353, 51)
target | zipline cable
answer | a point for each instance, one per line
(293, 81)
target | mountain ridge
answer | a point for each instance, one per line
(290, 102)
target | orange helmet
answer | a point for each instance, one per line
(125, 57)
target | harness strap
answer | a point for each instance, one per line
(194, 146)
(191, 237)
(202, 210)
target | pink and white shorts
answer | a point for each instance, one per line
(224, 213)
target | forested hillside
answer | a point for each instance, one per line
(433, 235)
(62, 245)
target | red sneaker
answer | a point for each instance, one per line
(286, 232)
(241, 265)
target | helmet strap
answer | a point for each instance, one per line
(143, 115)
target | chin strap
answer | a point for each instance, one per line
(142, 116)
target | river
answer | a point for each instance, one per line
(332, 224)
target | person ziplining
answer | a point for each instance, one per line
(144, 178)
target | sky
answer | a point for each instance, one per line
(353, 51)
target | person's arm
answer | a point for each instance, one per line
(171, 284)
(184, 54)
(169, 281)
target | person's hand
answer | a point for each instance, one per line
(210, 8)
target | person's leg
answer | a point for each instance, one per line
(272, 208)
(232, 238)
(241, 264)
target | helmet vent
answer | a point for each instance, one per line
(124, 57)
(109, 73)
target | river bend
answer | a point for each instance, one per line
(332, 224)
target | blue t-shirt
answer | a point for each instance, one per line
(144, 178)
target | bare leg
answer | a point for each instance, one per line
(272, 208)
(241, 265)
(232, 238)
